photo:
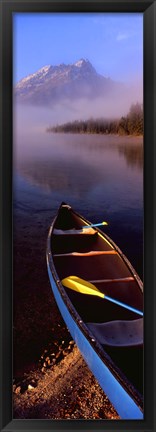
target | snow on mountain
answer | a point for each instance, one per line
(39, 74)
(79, 63)
(51, 84)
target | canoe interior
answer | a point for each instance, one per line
(106, 268)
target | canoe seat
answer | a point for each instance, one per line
(118, 333)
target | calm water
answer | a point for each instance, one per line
(100, 176)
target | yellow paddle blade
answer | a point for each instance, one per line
(104, 223)
(84, 287)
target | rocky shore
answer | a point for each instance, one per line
(65, 390)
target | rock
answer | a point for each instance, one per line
(71, 342)
(30, 387)
(57, 355)
(65, 351)
(18, 390)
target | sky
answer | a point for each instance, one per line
(112, 42)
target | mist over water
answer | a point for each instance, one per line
(38, 117)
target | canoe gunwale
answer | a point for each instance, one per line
(117, 373)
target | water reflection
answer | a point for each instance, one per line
(131, 147)
(59, 161)
(59, 176)
(133, 154)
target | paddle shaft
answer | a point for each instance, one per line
(123, 305)
(95, 225)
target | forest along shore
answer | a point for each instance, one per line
(50, 377)
(131, 124)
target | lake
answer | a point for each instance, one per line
(100, 176)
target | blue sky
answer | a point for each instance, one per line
(113, 43)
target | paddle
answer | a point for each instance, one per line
(85, 287)
(95, 225)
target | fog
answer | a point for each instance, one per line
(31, 118)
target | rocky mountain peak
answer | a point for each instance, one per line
(51, 84)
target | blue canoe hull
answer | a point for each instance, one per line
(121, 400)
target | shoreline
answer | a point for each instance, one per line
(141, 136)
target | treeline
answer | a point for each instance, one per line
(132, 124)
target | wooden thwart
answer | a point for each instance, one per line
(74, 232)
(125, 279)
(86, 254)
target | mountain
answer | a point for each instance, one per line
(53, 84)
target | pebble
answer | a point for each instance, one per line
(18, 390)
(65, 351)
(30, 387)
(57, 355)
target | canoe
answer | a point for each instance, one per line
(109, 335)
